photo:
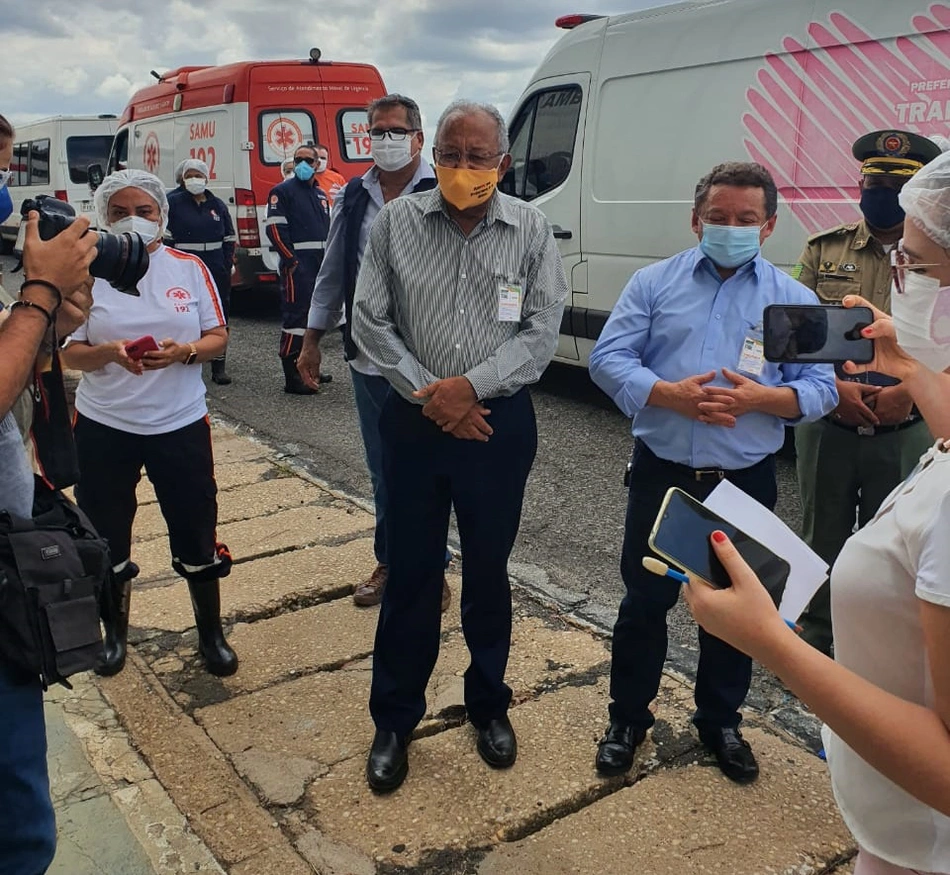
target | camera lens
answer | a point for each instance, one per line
(122, 260)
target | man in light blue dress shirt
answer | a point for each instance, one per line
(682, 356)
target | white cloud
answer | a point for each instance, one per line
(432, 50)
(115, 88)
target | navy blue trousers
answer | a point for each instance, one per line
(640, 634)
(296, 291)
(27, 822)
(426, 473)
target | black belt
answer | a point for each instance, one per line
(700, 475)
(872, 430)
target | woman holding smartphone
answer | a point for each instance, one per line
(141, 403)
(886, 701)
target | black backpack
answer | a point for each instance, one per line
(52, 571)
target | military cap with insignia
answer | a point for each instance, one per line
(898, 153)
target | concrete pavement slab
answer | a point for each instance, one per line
(263, 535)
(319, 720)
(692, 820)
(304, 641)
(453, 800)
(219, 807)
(261, 586)
(231, 447)
(152, 823)
(225, 476)
(241, 503)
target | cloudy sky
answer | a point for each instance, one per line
(85, 56)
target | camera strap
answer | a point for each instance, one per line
(52, 432)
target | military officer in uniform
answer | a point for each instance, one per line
(849, 461)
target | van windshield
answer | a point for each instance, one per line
(83, 151)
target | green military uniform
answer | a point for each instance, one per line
(846, 472)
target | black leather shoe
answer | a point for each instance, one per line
(497, 744)
(615, 750)
(388, 762)
(733, 754)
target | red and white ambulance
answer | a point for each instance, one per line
(244, 120)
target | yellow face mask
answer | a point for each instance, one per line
(465, 188)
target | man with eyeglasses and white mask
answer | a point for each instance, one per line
(297, 224)
(458, 304)
(396, 140)
(682, 355)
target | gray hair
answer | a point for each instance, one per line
(394, 101)
(742, 174)
(468, 107)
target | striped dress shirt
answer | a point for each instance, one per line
(427, 297)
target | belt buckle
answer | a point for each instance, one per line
(866, 430)
(701, 473)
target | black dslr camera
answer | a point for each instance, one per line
(121, 259)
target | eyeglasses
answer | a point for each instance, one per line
(900, 264)
(301, 159)
(397, 135)
(452, 158)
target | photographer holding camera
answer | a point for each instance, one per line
(55, 295)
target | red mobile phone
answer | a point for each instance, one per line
(137, 348)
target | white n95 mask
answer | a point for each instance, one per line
(921, 317)
(390, 154)
(145, 228)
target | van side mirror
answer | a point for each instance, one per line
(95, 176)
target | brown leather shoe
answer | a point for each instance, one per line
(370, 591)
(446, 595)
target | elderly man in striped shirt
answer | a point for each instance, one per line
(458, 305)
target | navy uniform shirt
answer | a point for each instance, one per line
(298, 220)
(204, 229)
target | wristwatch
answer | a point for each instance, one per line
(193, 355)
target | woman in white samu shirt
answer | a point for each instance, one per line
(150, 412)
(886, 701)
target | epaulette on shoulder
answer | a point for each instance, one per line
(847, 228)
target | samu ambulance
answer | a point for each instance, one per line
(626, 114)
(244, 120)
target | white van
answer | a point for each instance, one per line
(626, 114)
(51, 156)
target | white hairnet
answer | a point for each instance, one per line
(925, 199)
(191, 164)
(142, 179)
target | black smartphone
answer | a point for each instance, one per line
(681, 536)
(814, 333)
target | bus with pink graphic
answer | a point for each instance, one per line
(627, 112)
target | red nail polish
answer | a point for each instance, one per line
(719, 537)
(866, 332)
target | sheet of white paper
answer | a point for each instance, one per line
(808, 569)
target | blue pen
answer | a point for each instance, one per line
(657, 567)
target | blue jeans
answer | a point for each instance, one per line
(370, 393)
(27, 822)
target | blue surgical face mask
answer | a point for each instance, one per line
(304, 171)
(881, 207)
(730, 246)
